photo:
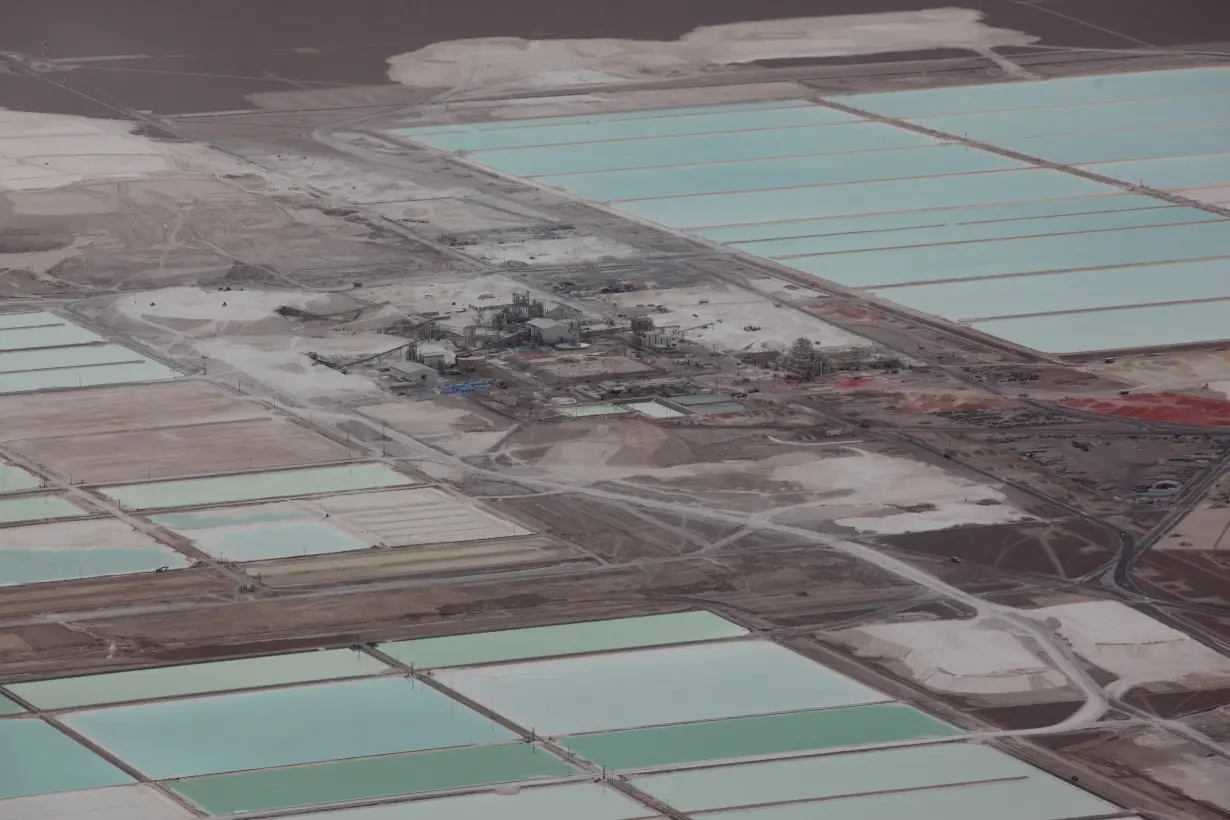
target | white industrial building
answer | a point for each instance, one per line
(415, 373)
(548, 331)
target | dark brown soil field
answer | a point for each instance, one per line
(182, 56)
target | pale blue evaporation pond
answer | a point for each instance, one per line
(613, 130)
(864, 198)
(14, 479)
(896, 266)
(1136, 327)
(1015, 800)
(825, 169)
(1120, 116)
(36, 758)
(41, 351)
(1100, 88)
(570, 801)
(659, 153)
(977, 232)
(77, 356)
(142, 371)
(825, 201)
(1113, 146)
(1172, 172)
(265, 532)
(28, 337)
(283, 727)
(656, 687)
(1083, 290)
(602, 117)
(45, 564)
(866, 773)
(13, 321)
(879, 230)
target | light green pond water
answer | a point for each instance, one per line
(37, 507)
(845, 775)
(43, 564)
(36, 758)
(14, 479)
(656, 686)
(197, 678)
(570, 801)
(284, 484)
(284, 727)
(748, 737)
(562, 639)
(372, 777)
(1020, 800)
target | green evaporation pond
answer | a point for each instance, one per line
(634, 129)
(284, 727)
(61, 357)
(937, 235)
(1014, 800)
(36, 335)
(834, 776)
(197, 678)
(1114, 329)
(43, 564)
(36, 758)
(565, 801)
(372, 777)
(7, 707)
(283, 539)
(562, 639)
(14, 479)
(9, 321)
(202, 491)
(237, 516)
(656, 687)
(69, 377)
(750, 737)
(37, 507)
(595, 117)
(889, 223)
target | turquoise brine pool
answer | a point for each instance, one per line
(971, 780)
(252, 487)
(365, 778)
(37, 758)
(46, 564)
(37, 508)
(757, 736)
(579, 801)
(284, 727)
(656, 686)
(562, 639)
(14, 479)
(197, 678)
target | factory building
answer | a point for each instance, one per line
(548, 331)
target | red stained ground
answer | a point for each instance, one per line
(855, 313)
(1175, 408)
